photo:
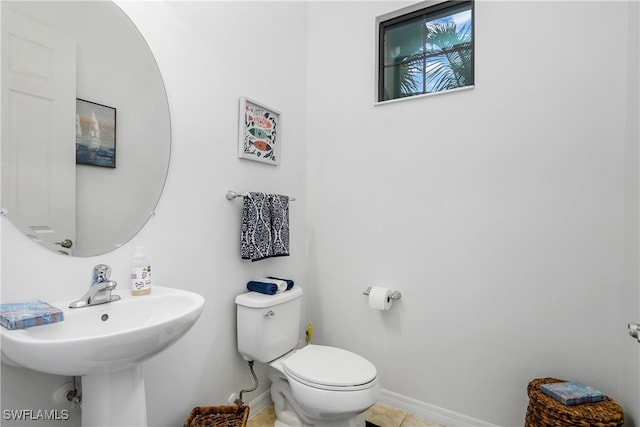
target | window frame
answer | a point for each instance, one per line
(425, 8)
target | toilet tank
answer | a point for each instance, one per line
(268, 325)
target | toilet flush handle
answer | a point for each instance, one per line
(269, 314)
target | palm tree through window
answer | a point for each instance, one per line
(426, 51)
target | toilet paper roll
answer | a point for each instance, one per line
(380, 298)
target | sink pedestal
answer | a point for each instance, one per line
(114, 399)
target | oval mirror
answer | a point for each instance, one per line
(85, 125)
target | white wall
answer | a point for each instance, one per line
(498, 212)
(502, 213)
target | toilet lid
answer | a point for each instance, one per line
(329, 366)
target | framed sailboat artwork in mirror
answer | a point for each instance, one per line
(95, 134)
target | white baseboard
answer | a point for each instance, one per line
(259, 403)
(404, 403)
(430, 412)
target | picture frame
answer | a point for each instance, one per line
(95, 134)
(260, 132)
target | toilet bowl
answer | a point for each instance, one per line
(315, 385)
(324, 385)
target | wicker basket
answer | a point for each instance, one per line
(544, 411)
(218, 416)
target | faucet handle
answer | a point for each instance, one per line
(101, 273)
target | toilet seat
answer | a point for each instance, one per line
(330, 368)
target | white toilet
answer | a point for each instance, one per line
(313, 386)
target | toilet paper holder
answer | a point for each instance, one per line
(394, 294)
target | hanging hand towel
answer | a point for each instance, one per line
(279, 224)
(255, 243)
(265, 226)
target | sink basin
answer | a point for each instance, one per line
(106, 337)
(106, 344)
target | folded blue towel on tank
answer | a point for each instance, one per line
(262, 287)
(289, 281)
(270, 285)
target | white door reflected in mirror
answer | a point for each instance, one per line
(38, 102)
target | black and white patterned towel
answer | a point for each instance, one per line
(279, 224)
(265, 226)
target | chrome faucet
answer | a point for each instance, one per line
(100, 290)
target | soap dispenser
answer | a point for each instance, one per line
(140, 272)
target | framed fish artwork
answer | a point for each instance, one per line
(260, 133)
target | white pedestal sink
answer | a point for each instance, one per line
(106, 344)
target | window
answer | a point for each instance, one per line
(426, 50)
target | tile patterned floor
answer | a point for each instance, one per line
(379, 414)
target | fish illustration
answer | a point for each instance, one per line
(261, 145)
(258, 133)
(262, 122)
